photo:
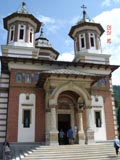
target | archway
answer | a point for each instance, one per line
(73, 91)
(69, 86)
(66, 112)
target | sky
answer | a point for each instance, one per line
(58, 16)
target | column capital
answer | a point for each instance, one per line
(52, 102)
(52, 106)
(88, 107)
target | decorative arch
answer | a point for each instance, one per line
(70, 86)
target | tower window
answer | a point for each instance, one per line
(31, 35)
(22, 32)
(98, 118)
(12, 29)
(92, 40)
(82, 41)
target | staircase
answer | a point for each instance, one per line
(100, 151)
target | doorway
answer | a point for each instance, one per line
(64, 123)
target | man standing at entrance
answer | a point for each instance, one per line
(61, 137)
(70, 135)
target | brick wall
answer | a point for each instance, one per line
(13, 104)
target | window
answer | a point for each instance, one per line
(98, 118)
(82, 41)
(22, 32)
(19, 77)
(31, 35)
(11, 37)
(28, 77)
(26, 118)
(92, 40)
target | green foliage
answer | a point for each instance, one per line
(116, 90)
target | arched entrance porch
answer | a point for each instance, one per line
(77, 96)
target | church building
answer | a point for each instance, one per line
(40, 95)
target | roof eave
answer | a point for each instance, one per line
(15, 14)
(84, 24)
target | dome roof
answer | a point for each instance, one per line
(42, 41)
(21, 13)
(46, 50)
(85, 22)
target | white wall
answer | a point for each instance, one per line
(26, 134)
(100, 132)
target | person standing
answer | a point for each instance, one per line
(61, 137)
(116, 145)
(7, 151)
(70, 135)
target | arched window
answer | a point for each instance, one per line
(82, 41)
(31, 35)
(98, 120)
(26, 118)
(92, 40)
(21, 32)
(11, 33)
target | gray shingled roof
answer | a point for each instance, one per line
(68, 72)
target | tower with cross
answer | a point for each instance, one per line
(86, 36)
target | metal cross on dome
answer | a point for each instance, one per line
(84, 7)
(84, 12)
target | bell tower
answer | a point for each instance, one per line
(21, 27)
(86, 35)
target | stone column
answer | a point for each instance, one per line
(53, 130)
(89, 131)
(53, 118)
(81, 136)
(48, 126)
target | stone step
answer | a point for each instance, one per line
(78, 158)
(73, 152)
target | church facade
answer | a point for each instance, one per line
(40, 95)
